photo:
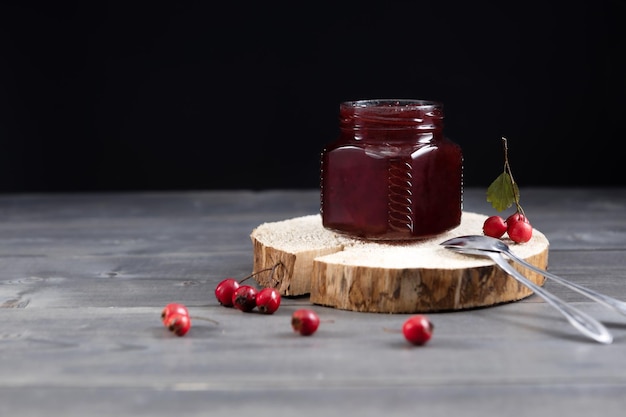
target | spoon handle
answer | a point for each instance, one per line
(611, 302)
(581, 321)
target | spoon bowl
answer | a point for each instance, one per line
(479, 242)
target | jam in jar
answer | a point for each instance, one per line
(391, 174)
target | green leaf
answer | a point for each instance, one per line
(502, 192)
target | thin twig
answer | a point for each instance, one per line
(507, 169)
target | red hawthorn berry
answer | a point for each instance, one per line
(520, 231)
(305, 321)
(494, 226)
(244, 298)
(224, 291)
(268, 300)
(417, 329)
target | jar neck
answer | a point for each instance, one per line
(416, 116)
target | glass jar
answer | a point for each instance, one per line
(391, 174)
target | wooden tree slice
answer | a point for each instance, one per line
(294, 243)
(387, 277)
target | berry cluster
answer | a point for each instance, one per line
(503, 193)
(176, 318)
(233, 293)
(516, 226)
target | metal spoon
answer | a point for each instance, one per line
(487, 243)
(587, 325)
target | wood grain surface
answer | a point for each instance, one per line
(84, 277)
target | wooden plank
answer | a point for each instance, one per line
(83, 279)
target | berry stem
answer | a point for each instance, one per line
(271, 277)
(272, 269)
(507, 169)
(389, 330)
(204, 319)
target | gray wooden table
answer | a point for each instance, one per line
(84, 279)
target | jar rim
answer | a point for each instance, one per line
(391, 114)
(392, 103)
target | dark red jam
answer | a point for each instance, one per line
(391, 174)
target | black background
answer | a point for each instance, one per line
(209, 95)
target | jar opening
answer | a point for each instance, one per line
(392, 113)
(393, 104)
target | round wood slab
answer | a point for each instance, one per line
(402, 277)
